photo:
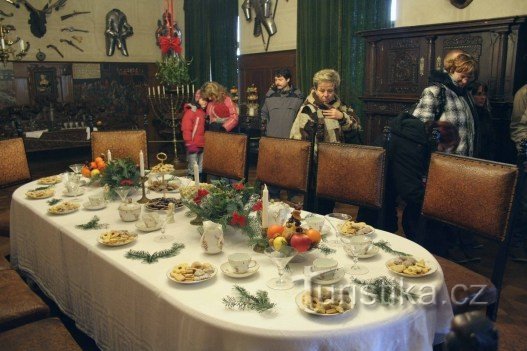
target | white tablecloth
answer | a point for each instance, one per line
(129, 305)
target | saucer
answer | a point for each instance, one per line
(142, 227)
(374, 250)
(339, 274)
(91, 207)
(227, 269)
(78, 193)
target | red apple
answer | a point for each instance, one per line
(301, 242)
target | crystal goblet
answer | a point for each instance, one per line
(164, 238)
(281, 258)
(355, 246)
(76, 167)
(335, 220)
(123, 192)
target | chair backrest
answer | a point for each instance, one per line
(285, 163)
(15, 169)
(121, 143)
(225, 155)
(351, 173)
(472, 194)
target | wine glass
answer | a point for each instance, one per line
(164, 238)
(355, 246)
(123, 192)
(341, 217)
(281, 258)
(76, 167)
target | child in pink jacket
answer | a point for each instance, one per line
(193, 128)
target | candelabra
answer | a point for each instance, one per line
(7, 49)
(166, 105)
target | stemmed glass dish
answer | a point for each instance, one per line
(76, 167)
(341, 218)
(164, 238)
(123, 192)
(355, 246)
(281, 258)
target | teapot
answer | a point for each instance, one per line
(212, 238)
(129, 211)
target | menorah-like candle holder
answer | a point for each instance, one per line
(167, 106)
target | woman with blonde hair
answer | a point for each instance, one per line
(222, 111)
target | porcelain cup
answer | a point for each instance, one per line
(241, 262)
(358, 244)
(324, 264)
(151, 219)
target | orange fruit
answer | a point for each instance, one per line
(86, 172)
(98, 159)
(100, 164)
(274, 231)
(93, 165)
(314, 235)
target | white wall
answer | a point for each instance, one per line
(142, 16)
(418, 12)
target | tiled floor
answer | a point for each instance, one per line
(513, 305)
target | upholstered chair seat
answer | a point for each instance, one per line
(121, 143)
(18, 303)
(45, 335)
(225, 155)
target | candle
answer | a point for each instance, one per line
(109, 156)
(196, 174)
(22, 45)
(188, 91)
(149, 92)
(158, 90)
(141, 164)
(265, 207)
(164, 90)
(177, 89)
(3, 43)
(192, 89)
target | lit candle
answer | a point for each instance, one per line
(109, 155)
(22, 45)
(188, 91)
(192, 89)
(164, 90)
(141, 164)
(265, 207)
(177, 89)
(149, 93)
(3, 43)
(196, 174)
(158, 90)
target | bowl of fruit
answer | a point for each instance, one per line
(93, 168)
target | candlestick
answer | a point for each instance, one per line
(265, 207)
(196, 174)
(109, 155)
(143, 199)
(141, 164)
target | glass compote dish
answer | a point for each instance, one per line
(164, 238)
(76, 168)
(340, 218)
(281, 258)
(354, 246)
(123, 192)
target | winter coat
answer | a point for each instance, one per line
(194, 117)
(459, 109)
(279, 110)
(310, 121)
(226, 109)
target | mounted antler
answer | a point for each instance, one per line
(37, 18)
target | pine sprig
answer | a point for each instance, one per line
(42, 188)
(246, 301)
(385, 246)
(53, 201)
(92, 224)
(152, 258)
(326, 250)
(384, 290)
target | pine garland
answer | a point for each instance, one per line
(53, 201)
(326, 250)
(384, 290)
(152, 258)
(42, 188)
(92, 224)
(246, 301)
(385, 246)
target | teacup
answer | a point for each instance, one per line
(151, 219)
(325, 264)
(357, 245)
(96, 200)
(315, 222)
(241, 262)
(72, 187)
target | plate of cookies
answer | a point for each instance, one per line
(50, 180)
(192, 273)
(410, 267)
(64, 207)
(161, 204)
(39, 193)
(117, 237)
(325, 302)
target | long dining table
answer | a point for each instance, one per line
(126, 304)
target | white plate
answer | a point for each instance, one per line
(432, 266)
(374, 250)
(304, 308)
(63, 212)
(339, 274)
(44, 195)
(67, 193)
(226, 268)
(192, 281)
(131, 239)
(142, 227)
(50, 180)
(91, 207)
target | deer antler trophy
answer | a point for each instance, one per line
(37, 18)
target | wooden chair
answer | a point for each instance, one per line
(286, 163)
(18, 303)
(354, 174)
(478, 196)
(15, 171)
(121, 143)
(44, 335)
(225, 155)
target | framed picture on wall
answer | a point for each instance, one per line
(43, 84)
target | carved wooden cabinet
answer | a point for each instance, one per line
(399, 60)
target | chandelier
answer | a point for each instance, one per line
(8, 48)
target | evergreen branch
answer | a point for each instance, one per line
(42, 188)
(384, 290)
(326, 250)
(53, 201)
(246, 301)
(385, 246)
(92, 224)
(152, 258)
